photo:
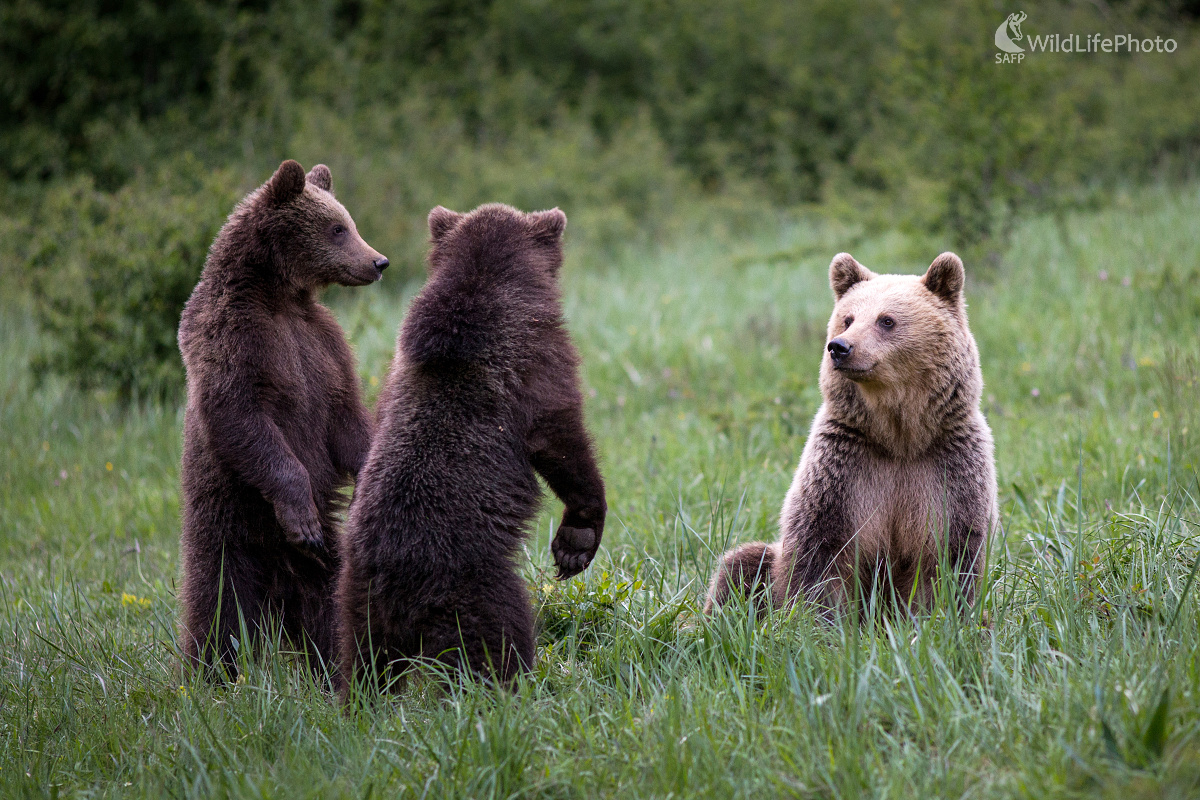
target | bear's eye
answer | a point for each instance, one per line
(847, 322)
(887, 322)
(339, 229)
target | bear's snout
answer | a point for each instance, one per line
(357, 271)
(839, 350)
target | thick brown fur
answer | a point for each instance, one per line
(274, 424)
(897, 476)
(482, 396)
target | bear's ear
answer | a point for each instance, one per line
(547, 226)
(442, 221)
(287, 183)
(320, 177)
(844, 272)
(945, 277)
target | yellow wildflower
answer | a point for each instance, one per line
(128, 599)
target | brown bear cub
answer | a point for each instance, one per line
(897, 476)
(274, 424)
(482, 397)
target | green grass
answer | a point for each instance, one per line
(1077, 676)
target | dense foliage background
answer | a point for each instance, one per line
(639, 118)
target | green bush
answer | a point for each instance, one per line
(112, 271)
(809, 101)
(644, 120)
(73, 69)
(391, 165)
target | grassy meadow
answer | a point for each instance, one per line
(1077, 675)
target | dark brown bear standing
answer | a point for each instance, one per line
(897, 477)
(482, 397)
(274, 424)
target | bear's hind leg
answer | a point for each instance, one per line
(308, 611)
(491, 635)
(363, 638)
(745, 571)
(222, 609)
(517, 642)
(503, 646)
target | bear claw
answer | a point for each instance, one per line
(303, 531)
(573, 550)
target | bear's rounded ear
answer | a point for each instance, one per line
(844, 272)
(287, 183)
(320, 177)
(442, 221)
(945, 277)
(547, 226)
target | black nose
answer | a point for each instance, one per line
(839, 349)
(381, 263)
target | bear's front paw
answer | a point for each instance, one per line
(573, 550)
(303, 527)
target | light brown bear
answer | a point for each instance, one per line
(897, 476)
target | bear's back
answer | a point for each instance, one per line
(448, 463)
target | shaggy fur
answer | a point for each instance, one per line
(274, 424)
(482, 396)
(898, 472)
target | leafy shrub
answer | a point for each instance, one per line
(582, 609)
(390, 166)
(643, 120)
(112, 271)
(899, 105)
(128, 58)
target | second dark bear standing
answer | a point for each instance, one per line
(483, 395)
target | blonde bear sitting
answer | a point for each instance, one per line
(897, 476)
